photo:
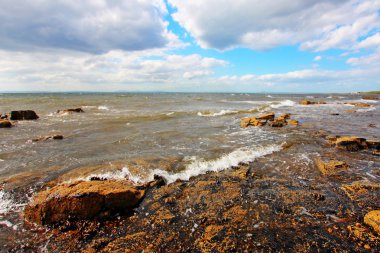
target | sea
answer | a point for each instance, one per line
(139, 135)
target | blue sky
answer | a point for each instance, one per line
(194, 46)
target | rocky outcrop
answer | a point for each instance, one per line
(5, 124)
(351, 143)
(373, 144)
(370, 98)
(268, 119)
(308, 102)
(82, 200)
(45, 138)
(331, 167)
(23, 115)
(77, 110)
(267, 116)
(358, 104)
(373, 219)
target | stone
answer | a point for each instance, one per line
(372, 125)
(308, 102)
(78, 110)
(277, 123)
(373, 144)
(358, 104)
(331, 167)
(293, 122)
(351, 143)
(5, 124)
(4, 116)
(82, 200)
(255, 122)
(372, 219)
(45, 138)
(244, 122)
(267, 116)
(370, 98)
(23, 115)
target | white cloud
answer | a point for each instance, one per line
(261, 25)
(95, 26)
(317, 58)
(372, 41)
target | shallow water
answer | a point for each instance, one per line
(200, 132)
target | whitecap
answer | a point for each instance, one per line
(103, 108)
(214, 114)
(283, 103)
(6, 203)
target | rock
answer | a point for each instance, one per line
(376, 153)
(82, 200)
(284, 117)
(332, 139)
(334, 114)
(4, 116)
(373, 144)
(370, 98)
(78, 110)
(351, 143)
(308, 102)
(277, 123)
(5, 124)
(293, 122)
(244, 123)
(373, 219)
(255, 122)
(23, 115)
(358, 104)
(45, 138)
(268, 116)
(372, 125)
(331, 167)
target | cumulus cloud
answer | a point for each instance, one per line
(317, 58)
(95, 26)
(261, 25)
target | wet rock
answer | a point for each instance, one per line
(331, 139)
(370, 98)
(334, 114)
(308, 102)
(5, 124)
(331, 167)
(244, 122)
(82, 200)
(376, 153)
(372, 125)
(23, 115)
(373, 144)
(373, 219)
(77, 110)
(256, 122)
(351, 143)
(358, 104)
(363, 191)
(4, 116)
(293, 122)
(45, 138)
(267, 116)
(277, 123)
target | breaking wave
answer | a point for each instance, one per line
(284, 103)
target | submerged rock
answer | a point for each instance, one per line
(23, 115)
(78, 110)
(5, 124)
(373, 219)
(45, 138)
(82, 200)
(351, 143)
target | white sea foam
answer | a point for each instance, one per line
(6, 203)
(283, 103)
(200, 166)
(169, 113)
(89, 107)
(269, 96)
(103, 108)
(214, 114)
(366, 109)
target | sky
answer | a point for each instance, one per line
(300, 46)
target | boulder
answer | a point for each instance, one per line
(82, 200)
(372, 125)
(351, 143)
(45, 138)
(373, 144)
(256, 122)
(267, 116)
(23, 115)
(244, 122)
(308, 102)
(5, 124)
(372, 219)
(370, 98)
(277, 123)
(358, 104)
(293, 122)
(285, 116)
(78, 110)
(331, 167)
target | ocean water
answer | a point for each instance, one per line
(174, 135)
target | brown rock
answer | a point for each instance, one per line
(373, 219)
(244, 122)
(370, 98)
(331, 167)
(255, 122)
(351, 143)
(78, 110)
(23, 115)
(277, 123)
(358, 104)
(373, 144)
(376, 153)
(285, 115)
(293, 122)
(82, 200)
(308, 102)
(268, 116)
(372, 125)
(5, 124)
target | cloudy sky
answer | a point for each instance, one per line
(197, 45)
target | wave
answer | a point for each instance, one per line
(269, 96)
(103, 108)
(214, 114)
(284, 103)
(366, 109)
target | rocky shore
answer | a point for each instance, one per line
(275, 204)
